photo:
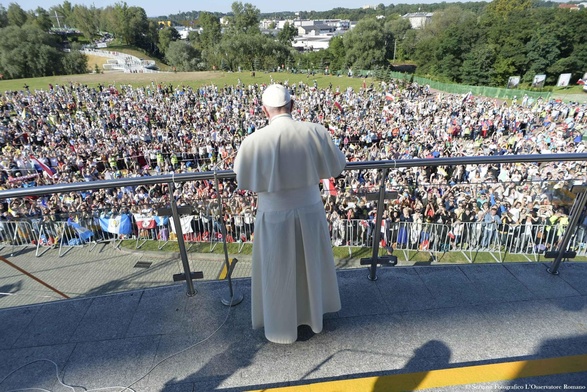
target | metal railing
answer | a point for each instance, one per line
(441, 241)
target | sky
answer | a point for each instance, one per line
(158, 7)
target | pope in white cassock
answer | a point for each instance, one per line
(294, 278)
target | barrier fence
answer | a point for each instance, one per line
(467, 238)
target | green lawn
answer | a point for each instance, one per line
(345, 256)
(193, 79)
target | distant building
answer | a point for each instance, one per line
(311, 44)
(184, 32)
(338, 24)
(419, 19)
(317, 29)
(313, 35)
(572, 7)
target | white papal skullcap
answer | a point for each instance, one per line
(276, 96)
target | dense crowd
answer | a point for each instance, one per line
(74, 133)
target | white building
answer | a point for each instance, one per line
(419, 19)
(316, 29)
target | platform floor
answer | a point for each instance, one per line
(409, 324)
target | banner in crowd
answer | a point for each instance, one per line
(186, 224)
(116, 224)
(150, 222)
(22, 178)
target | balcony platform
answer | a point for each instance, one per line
(414, 320)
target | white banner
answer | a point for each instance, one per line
(186, 224)
(513, 82)
(539, 81)
(564, 79)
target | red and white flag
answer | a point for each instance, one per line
(45, 168)
(145, 222)
(328, 186)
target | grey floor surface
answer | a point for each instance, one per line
(129, 327)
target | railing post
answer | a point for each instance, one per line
(179, 232)
(575, 214)
(233, 298)
(378, 220)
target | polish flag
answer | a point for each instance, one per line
(328, 186)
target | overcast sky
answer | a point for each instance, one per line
(158, 7)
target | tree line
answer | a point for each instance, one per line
(478, 43)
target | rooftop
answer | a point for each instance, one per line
(129, 327)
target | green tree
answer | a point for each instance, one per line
(575, 64)
(132, 24)
(542, 51)
(167, 36)
(477, 68)
(244, 19)
(366, 44)
(64, 14)
(287, 33)
(87, 20)
(3, 17)
(337, 54)
(503, 8)
(152, 38)
(75, 63)
(16, 15)
(211, 30)
(29, 52)
(397, 29)
(194, 39)
(40, 17)
(510, 37)
(183, 57)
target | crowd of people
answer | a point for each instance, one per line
(76, 133)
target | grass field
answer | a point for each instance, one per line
(193, 79)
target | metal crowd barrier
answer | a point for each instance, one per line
(17, 235)
(467, 238)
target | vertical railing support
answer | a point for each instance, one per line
(378, 220)
(182, 251)
(233, 298)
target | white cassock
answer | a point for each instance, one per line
(294, 278)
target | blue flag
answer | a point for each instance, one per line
(83, 232)
(119, 224)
